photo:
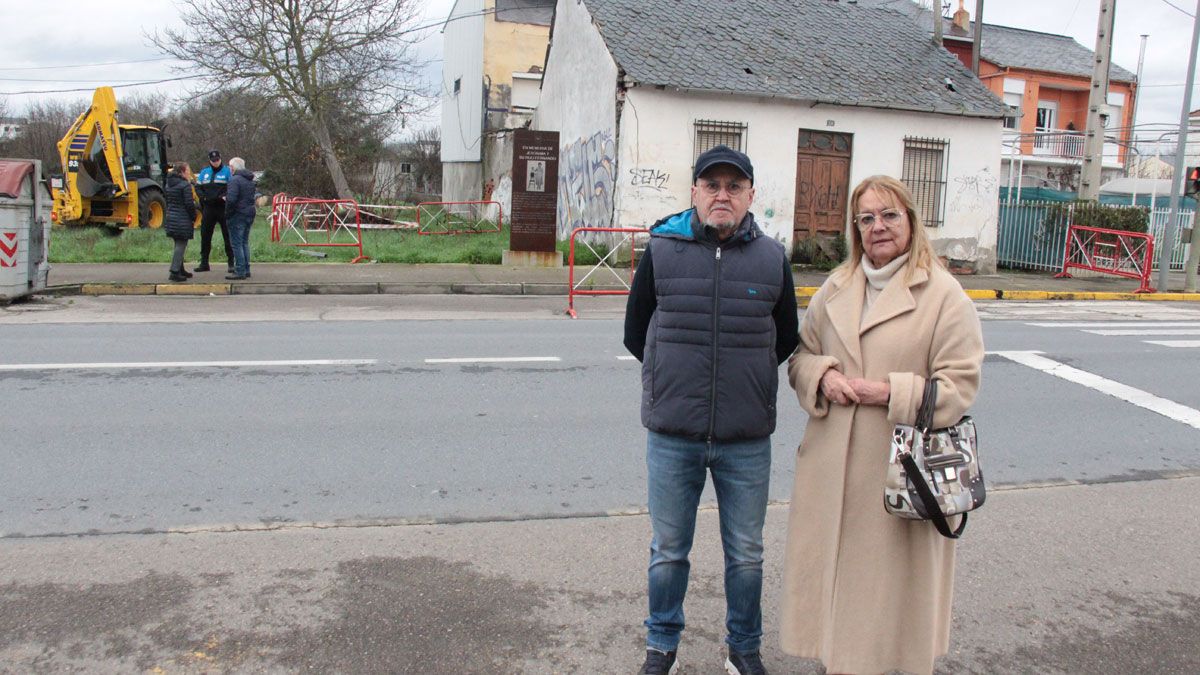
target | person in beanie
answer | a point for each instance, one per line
(211, 184)
(711, 315)
(240, 212)
(180, 223)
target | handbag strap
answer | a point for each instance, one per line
(931, 506)
(928, 404)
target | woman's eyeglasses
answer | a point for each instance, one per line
(890, 218)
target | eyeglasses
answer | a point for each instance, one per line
(891, 217)
(713, 188)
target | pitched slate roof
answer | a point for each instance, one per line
(1013, 47)
(827, 51)
(1017, 48)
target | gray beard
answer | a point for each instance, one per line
(722, 230)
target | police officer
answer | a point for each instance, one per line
(211, 183)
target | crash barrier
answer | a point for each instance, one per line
(317, 223)
(386, 217)
(1125, 254)
(459, 217)
(605, 262)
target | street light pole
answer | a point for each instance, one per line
(1168, 242)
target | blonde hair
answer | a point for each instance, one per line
(920, 249)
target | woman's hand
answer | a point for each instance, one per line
(836, 388)
(870, 392)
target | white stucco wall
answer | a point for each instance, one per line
(656, 145)
(462, 113)
(578, 100)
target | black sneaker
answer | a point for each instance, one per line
(185, 273)
(745, 664)
(659, 663)
(202, 267)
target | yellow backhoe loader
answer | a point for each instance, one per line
(113, 173)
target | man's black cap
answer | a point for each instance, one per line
(723, 154)
(214, 154)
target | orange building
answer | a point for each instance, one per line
(1045, 79)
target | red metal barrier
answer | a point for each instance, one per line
(439, 220)
(575, 286)
(302, 217)
(1125, 254)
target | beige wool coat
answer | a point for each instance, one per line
(866, 591)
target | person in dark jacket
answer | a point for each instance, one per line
(180, 224)
(711, 315)
(240, 211)
(211, 183)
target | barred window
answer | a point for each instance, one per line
(925, 161)
(710, 134)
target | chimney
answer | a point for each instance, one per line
(962, 18)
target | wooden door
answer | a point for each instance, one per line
(822, 183)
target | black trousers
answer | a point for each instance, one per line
(211, 215)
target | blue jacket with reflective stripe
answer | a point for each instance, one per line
(211, 185)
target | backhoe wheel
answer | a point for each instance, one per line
(152, 208)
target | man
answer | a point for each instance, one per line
(711, 315)
(211, 184)
(240, 212)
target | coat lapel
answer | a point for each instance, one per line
(895, 299)
(845, 312)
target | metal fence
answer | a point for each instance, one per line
(1027, 241)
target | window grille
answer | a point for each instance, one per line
(710, 134)
(925, 161)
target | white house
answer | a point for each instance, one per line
(819, 93)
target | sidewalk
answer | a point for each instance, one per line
(346, 279)
(1073, 579)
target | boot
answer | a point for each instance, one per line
(176, 276)
(186, 274)
(202, 267)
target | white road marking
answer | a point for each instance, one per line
(1142, 331)
(627, 358)
(186, 364)
(1190, 344)
(1117, 324)
(498, 359)
(1142, 399)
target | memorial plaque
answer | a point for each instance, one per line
(535, 190)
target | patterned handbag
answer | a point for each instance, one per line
(934, 473)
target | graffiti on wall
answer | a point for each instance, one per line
(649, 178)
(975, 192)
(586, 183)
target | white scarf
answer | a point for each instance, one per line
(878, 278)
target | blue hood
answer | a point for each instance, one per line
(683, 226)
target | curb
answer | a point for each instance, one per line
(803, 293)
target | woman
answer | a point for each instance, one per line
(181, 216)
(866, 591)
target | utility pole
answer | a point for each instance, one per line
(937, 22)
(1093, 142)
(978, 36)
(1168, 240)
(1137, 98)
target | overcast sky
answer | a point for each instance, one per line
(39, 45)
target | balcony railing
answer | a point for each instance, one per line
(1058, 143)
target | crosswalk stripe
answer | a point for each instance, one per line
(1142, 399)
(498, 359)
(1117, 324)
(186, 364)
(1138, 331)
(1187, 344)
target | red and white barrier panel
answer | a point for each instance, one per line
(605, 263)
(317, 223)
(459, 217)
(1125, 254)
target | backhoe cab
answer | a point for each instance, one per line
(113, 174)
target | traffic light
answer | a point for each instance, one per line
(1191, 185)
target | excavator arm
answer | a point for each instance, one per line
(91, 157)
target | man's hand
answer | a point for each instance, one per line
(870, 392)
(837, 388)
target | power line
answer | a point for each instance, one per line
(89, 65)
(115, 86)
(1177, 8)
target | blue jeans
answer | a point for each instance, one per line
(741, 472)
(239, 231)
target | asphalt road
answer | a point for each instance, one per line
(119, 485)
(406, 434)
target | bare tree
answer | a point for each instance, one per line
(44, 123)
(324, 58)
